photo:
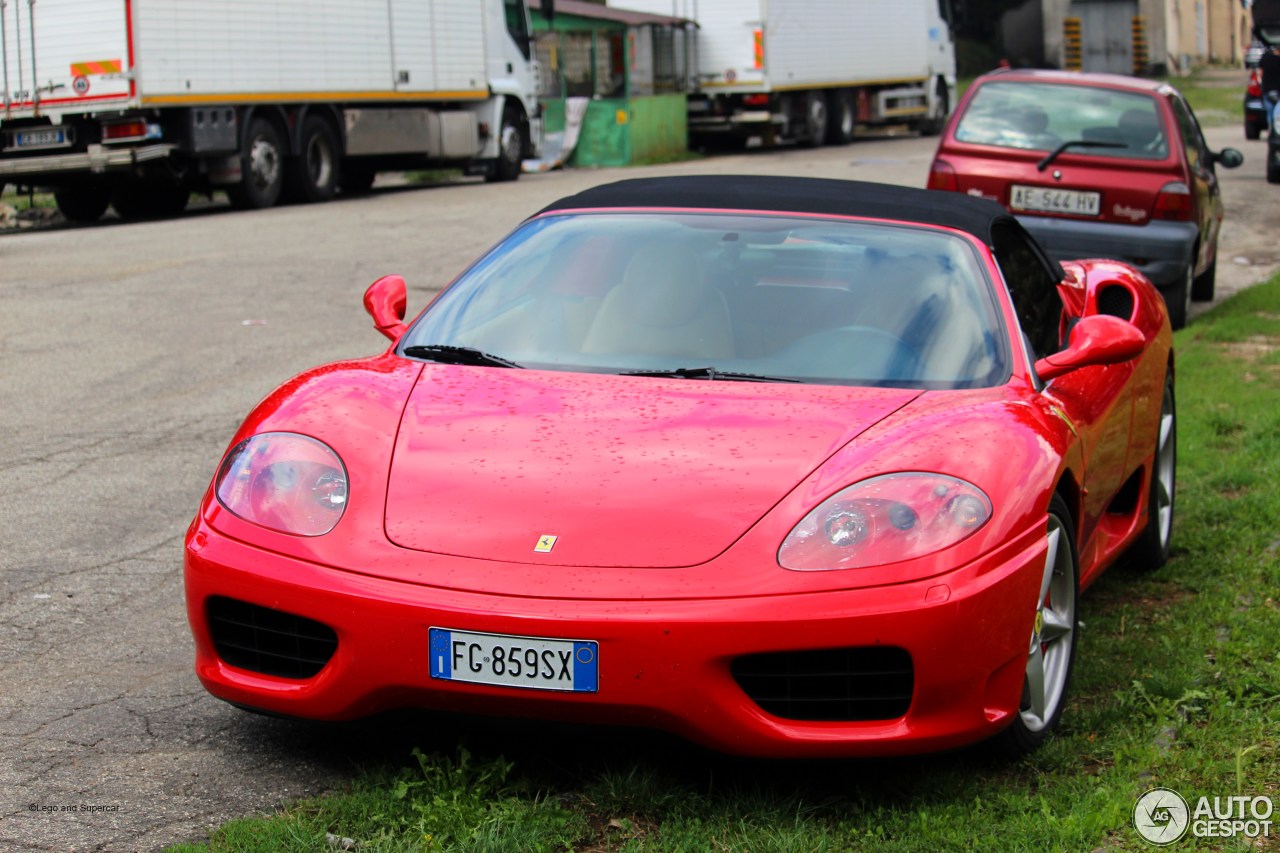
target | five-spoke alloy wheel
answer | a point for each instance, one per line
(1052, 647)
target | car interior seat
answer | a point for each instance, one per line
(1140, 129)
(664, 306)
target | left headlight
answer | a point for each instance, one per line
(885, 519)
(284, 481)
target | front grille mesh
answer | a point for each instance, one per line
(831, 685)
(268, 641)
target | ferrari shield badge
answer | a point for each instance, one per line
(545, 543)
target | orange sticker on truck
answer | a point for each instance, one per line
(102, 66)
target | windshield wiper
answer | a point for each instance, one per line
(449, 354)
(1075, 143)
(706, 373)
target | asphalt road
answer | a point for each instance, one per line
(128, 354)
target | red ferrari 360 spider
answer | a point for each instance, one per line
(785, 466)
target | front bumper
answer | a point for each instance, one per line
(664, 664)
(1159, 250)
(97, 160)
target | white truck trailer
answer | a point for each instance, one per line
(814, 70)
(137, 103)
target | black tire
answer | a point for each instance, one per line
(937, 119)
(815, 120)
(82, 204)
(1178, 300)
(1052, 649)
(312, 175)
(719, 143)
(840, 109)
(1251, 130)
(1151, 550)
(1273, 163)
(261, 166)
(356, 178)
(511, 148)
(150, 201)
(1202, 289)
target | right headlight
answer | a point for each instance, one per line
(885, 519)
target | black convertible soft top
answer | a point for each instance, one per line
(796, 195)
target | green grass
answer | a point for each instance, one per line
(25, 201)
(1217, 102)
(1177, 685)
(434, 176)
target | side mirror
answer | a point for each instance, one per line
(1228, 158)
(385, 301)
(1095, 340)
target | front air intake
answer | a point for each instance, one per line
(268, 641)
(830, 685)
(1116, 300)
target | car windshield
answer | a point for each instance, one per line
(1043, 116)
(728, 296)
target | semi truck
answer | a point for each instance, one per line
(814, 71)
(138, 103)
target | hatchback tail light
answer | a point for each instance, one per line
(1255, 84)
(1174, 202)
(942, 176)
(755, 101)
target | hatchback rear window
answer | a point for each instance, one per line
(1043, 116)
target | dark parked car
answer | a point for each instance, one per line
(1253, 53)
(1255, 110)
(1267, 77)
(1094, 165)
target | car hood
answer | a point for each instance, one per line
(622, 471)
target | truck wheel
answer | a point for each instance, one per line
(815, 119)
(313, 174)
(937, 119)
(150, 201)
(840, 109)
(82, 204)
(262, 168)
(510, 149)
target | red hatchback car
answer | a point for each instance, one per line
(1094, 165)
